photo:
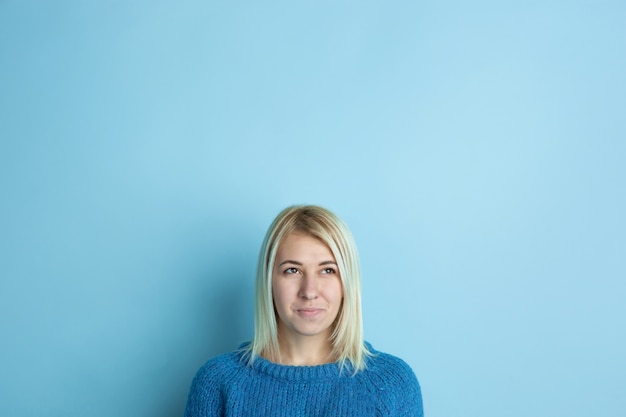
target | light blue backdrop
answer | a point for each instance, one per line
(476, 149)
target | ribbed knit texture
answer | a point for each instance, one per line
(226, 386)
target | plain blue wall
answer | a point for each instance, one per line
(476, 149)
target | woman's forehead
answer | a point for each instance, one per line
(302, 244)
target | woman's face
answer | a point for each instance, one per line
(306, 287)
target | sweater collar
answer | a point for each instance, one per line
(295, 373)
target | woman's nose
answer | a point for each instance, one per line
(308, 287)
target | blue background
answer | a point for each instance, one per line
(476, 149)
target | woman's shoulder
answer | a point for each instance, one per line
(388, 370)
(218, 373)
(394, 383)
(221, 368)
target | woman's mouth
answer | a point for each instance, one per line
(309, 313)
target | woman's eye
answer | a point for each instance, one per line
(291, 271)
(328, 271)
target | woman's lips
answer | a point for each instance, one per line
(309, 313)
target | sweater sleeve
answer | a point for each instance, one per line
(404, 395)
(410, 401)
(204, 398)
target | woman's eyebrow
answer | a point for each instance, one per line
(289, 261)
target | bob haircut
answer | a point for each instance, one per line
(322, 224)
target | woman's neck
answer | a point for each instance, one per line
(304, 350)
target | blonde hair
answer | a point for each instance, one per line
(322, 224)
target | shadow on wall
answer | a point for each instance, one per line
(225, 309)
(231, 318)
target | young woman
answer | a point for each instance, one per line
(308, 357)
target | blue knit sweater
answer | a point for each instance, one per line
(226, 386)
